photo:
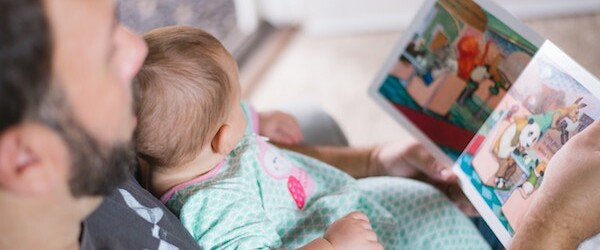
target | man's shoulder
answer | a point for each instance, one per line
(131, 218)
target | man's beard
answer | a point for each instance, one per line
(96, 168)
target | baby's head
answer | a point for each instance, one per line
(188, 98)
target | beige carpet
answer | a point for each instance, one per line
(335, 73)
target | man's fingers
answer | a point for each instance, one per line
(424, 161)
(446, 174)
(460, 200)
(467, 208)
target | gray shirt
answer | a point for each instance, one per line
(131, 218)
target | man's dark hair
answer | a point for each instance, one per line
(25, 59)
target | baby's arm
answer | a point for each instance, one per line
(279, 127)
(352, 231)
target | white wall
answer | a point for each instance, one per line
(356, 16)
(246, 12)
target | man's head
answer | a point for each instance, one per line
(65, 91)
(188, 89)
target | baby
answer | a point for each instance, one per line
(232, 189)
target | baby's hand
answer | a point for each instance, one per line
(280, 127)
(352, 231)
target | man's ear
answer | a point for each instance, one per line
(22, 169)
(222, 143)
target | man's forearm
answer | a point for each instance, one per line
(541, 229)
(356, 162)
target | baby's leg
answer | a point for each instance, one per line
(425, 218)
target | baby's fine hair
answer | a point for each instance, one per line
(182, 94)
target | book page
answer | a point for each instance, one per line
(552, 100)
(451, 69)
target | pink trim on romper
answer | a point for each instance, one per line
(200, 178)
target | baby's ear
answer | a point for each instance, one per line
(222, 143)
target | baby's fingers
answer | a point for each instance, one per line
(289, 134)
(358, 216)
(292, 129)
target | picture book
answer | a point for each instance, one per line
(489, 96)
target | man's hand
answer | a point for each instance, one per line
(279, 127)
(409, 160)
(412, 160)
(566, 208)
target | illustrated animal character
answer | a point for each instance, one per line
(564, 134)
(473, 66)
(520, 135)
(535, 174)
(468, 51)
(570, 112)
(556, 119)
(524, 132)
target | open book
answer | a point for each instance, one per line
(489, 96)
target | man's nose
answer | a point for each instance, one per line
(135, 51)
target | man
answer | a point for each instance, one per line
(66, 116)
(66, 121)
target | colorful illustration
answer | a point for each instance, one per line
(508, 156)
(454, 72)
(482, 91)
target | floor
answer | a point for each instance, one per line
(335, 73)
